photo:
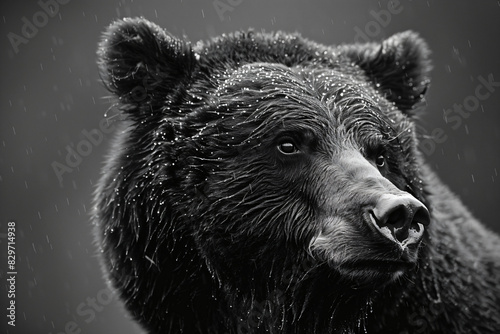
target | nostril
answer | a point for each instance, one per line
(397, 217)
(422, 216)
(415, 226)
(401, 218)
(398, 221)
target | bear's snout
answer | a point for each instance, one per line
(401, 218)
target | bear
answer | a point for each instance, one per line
(261, 182)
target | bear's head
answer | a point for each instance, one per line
(260, 167)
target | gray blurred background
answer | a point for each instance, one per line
(50, 96)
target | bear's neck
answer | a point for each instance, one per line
(320, 304)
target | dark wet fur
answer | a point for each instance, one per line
(205, 227)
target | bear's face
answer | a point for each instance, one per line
(303, 155)
(265, 152)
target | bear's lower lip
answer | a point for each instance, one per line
(373, 272)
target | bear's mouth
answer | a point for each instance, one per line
(378, 272)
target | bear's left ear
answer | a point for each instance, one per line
(399, 67)
(139, 60)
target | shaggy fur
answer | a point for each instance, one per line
(237, 195)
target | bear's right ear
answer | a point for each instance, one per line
(140, 62)
(398, 66)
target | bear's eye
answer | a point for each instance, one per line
(380, 161)
(287, 147)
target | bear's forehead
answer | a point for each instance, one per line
(316, 92)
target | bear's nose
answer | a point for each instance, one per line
(401, 218)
